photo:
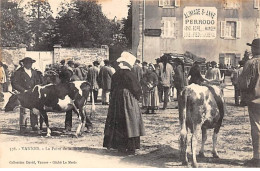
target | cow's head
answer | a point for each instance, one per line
(81, 88)
(8, 101)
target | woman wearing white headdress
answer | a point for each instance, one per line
(124, 124)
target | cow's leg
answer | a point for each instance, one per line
(183, 146)
(194, 146)
(45, 117)
(81, 118)
(41, 122)
(204, 138)
(214, 150)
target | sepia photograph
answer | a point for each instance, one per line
(130, 84)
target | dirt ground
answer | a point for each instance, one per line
(159, 147)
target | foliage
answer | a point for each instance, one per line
(127, 29)
(82, 24)
(41, 24)
(13, 25)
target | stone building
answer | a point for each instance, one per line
(214, 29)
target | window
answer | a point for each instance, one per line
(257, 31)
(257, 4)
(169, 3)
(168, 27)
(230, 29)
(231, 4)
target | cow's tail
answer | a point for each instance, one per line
(182, 118)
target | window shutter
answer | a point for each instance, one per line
(238, 30)
(175, 29)
(162, 28)
(256, 4)
(171, 29)
(161, 3)
(222, 29)
(177, 3)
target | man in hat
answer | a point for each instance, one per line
(92, 78)
(77, 71)
(166, 74)
(104, 80)
(144, 67)
(137, 69)
(249, 84)
(24, 79)
(234, 79)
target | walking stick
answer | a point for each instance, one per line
(93, 107)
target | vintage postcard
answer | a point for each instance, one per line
(129, 83)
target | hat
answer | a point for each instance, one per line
(27, 59)
(151, 65)
(213, 63)
(127, 57)
(241, 62)
(255, 43)
(95, 63)
(70, 62)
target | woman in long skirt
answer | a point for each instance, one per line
(124, 124)
(150, 90)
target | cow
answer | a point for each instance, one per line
(54, 98)
(200, 107)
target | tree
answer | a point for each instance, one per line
(41, 24)
(13, 25)
(127, 28)
(82, 24)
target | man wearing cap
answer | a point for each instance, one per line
(234, 79)
(249, 84)
(24, 79)
(92, 78)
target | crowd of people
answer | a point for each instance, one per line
(130, 83)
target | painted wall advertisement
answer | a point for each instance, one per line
(199, 22)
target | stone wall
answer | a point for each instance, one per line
(12, 55)
(82, 55)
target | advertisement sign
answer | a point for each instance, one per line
(199, 22)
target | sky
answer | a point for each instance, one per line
(110, 8)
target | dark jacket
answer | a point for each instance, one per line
(138, 71)
(21, 80)
(105, 75)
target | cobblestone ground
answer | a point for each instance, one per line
(159, 147)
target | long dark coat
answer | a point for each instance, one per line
(138, 71)
(124, 120)
(105, 75)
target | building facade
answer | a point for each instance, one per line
(214, 29)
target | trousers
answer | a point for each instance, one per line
(254, 116)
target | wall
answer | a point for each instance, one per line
(82, 55)
(42, 58)
(12, 55)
